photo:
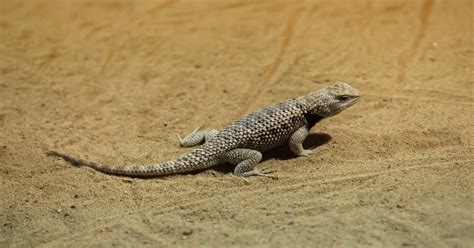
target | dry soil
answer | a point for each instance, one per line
(113, 81)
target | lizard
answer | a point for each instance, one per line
(242, 142)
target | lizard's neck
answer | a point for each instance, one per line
(310, 112)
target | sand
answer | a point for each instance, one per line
(114, 81)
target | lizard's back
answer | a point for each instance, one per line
(266, 128)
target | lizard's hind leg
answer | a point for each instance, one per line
(246, 160)
(197, 137)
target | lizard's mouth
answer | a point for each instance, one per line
(350, 102)
(355, 100)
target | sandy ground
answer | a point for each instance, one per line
(114, 81)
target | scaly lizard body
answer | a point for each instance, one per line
(242, 142)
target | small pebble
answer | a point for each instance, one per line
(187, 232)
(291, 222)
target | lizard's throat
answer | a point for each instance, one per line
(312, 119)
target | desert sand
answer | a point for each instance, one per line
(113, 81)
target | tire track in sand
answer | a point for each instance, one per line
(336, 179)
(407, 55)
(231, 193)
(273, 71)
(161, 6)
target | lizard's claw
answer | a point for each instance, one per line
(306, 152)
(259, 173)
(179, 139)
(185, 141)
(241, 178)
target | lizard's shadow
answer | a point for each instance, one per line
(313, 141)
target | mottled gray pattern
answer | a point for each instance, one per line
(242, 142)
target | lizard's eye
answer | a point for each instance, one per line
(343, 98)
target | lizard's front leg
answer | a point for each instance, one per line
(296, 142)
(245, 161)
(197, 137)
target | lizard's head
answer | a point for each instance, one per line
(332, 100)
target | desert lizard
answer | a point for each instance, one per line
(242, 142)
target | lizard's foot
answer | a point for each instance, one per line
(192, 139)
(254, 173)
(246, 160)
(305, 152)
(259, 173)
(240, 178)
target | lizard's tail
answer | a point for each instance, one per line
(196, 160)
